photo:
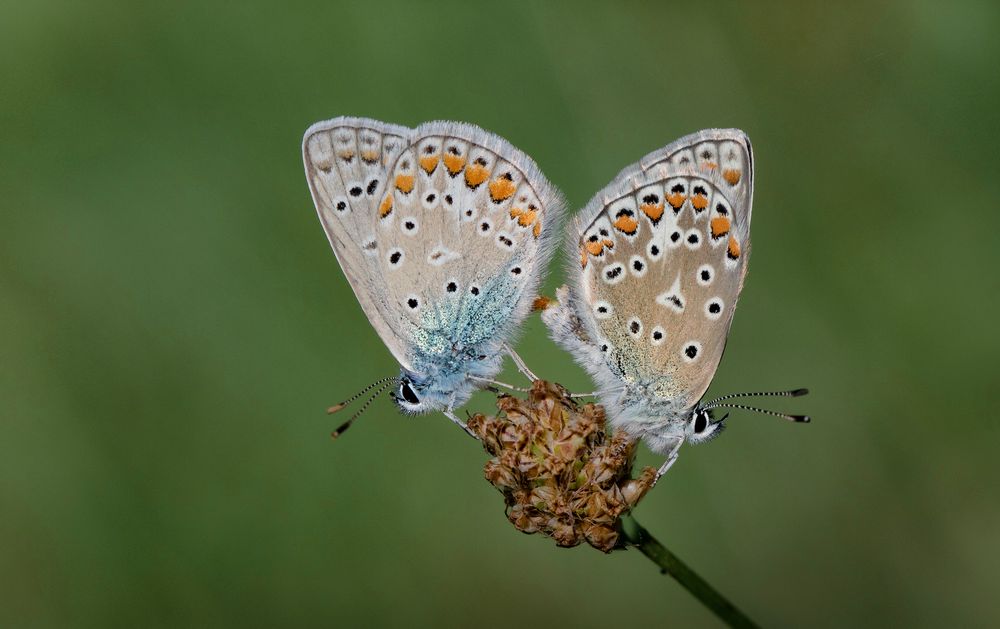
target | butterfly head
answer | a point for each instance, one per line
(702, 426)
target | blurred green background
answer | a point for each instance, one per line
(173, 323)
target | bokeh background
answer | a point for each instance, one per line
(173, 324)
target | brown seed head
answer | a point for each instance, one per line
(559, 471)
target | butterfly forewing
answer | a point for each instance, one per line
(662, 255)
(347, 161)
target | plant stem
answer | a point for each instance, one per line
(669, 563)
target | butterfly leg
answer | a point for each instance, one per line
(671, 459)
(450, 415)
(519, 362)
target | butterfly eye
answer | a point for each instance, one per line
(407, 393)
(700, 423)
(702, 427)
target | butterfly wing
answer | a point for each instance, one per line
(463, 236)
(347, 161)
(660, 257)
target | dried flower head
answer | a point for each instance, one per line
(560, 473)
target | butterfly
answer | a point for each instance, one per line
(443, 233)
(658, 259)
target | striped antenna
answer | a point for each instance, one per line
(792, 393)
(336, 407)
(343, 427)
(804, 419)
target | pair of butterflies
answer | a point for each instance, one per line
(444, 232)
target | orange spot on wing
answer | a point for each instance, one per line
(595, 248)
(454, 163)
(429, 163)
(404, 183)
(501, 189)
(653, 211)
(699, 201)
(347, 156)
(720, 226)
(369, 157)
(475, 175)
(583, 258)
(524, 217)
(538, 228)
(385, 209)
(609, 244)
(626, 224)
(732, 176)
(541, 303)
(733, 250)
(710, 165)
(676, 200)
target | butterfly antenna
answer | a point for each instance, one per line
(804, 419)
(343, 427)
(792, 393)
(336, 407)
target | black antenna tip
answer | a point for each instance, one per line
(341, 429)
(799, 393)
(802, 419)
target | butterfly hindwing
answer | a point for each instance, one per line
(661, 256)
(463, 237)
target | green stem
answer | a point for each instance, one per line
(669, 563)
